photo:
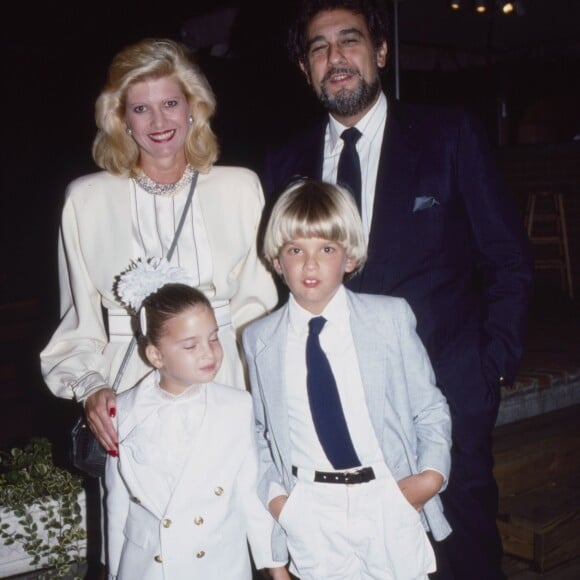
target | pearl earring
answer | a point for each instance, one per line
(129, 131)
(190, 119)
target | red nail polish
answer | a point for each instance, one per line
(112, 412)
(113, 453)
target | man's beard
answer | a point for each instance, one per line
(347, 103)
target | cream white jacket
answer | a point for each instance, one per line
(96, 244)
(202, 528)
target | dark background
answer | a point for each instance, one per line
(520, 74)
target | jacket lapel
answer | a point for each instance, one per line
(271, 369)
(371, 358)
(133, 480)
(394, 193)
(309, 153)
(313, 153)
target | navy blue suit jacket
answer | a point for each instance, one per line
(447, 236)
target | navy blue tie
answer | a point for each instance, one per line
(325, 404)
(348, 173)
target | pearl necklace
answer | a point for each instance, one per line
(165, 189)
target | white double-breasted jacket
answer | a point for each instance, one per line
(202, 528)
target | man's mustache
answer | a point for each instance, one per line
(340, 70)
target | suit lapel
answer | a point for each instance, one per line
(271, 369)
(133, 479)
(396, 177)
(371, 358)
(311, 153)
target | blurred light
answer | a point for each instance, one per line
(506, 6)
(483, 6)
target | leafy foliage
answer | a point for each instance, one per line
(44, 499)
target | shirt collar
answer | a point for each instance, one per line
(367, 125)
(336, 312)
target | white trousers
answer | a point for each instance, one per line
(353, 532)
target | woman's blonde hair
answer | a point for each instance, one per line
(117, 152)
(315, 209)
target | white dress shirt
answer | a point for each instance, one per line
(372, 127)
(337, 343)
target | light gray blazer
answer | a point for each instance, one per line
(408, 412)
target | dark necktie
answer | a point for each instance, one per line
(348, 174)
(325, 405)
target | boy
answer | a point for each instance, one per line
(362, 515)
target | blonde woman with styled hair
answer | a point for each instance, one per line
(117, 152)
(157, 153)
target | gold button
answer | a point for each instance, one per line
(198, 521)
(200, 554)
(218, 490)
(166, 522)
(158, 559)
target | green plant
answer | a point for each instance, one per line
(44, 499)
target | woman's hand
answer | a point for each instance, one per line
(276, 504)
(100, 409)
(420, 488)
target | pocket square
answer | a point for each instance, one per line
(424, 202)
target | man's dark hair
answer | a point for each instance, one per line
(374, 12)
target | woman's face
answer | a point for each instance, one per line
(157, 113)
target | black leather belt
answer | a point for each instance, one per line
(362, 475)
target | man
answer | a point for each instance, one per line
(442, 232)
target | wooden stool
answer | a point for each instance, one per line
(545, 222)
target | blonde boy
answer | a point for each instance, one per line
(368, 519)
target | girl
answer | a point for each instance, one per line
(181, 495)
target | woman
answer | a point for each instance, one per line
(153, 136)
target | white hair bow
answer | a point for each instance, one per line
(143, 277)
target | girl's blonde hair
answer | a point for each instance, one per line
(315, 209)
(117, 152)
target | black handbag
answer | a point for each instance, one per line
(87, 454)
